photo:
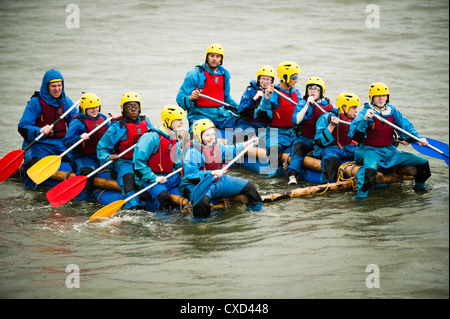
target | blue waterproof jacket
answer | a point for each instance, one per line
(309, 112)
(114, 134)
(273, 103)
(193, 161)
(148, 145)
(32, 112)
(195, 79)
(74, 131)
(247, 103)
(359, 125)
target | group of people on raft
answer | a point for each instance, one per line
(275, 115)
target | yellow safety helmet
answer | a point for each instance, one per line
(172, 112)
(315, 80)
(200, 126)
(130, 97)
(215, 48)
(378, 88)
(286, 69)
(266, 70)
(347, 100)
(88, 101)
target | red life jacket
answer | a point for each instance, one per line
(161, 162)
(89, 147)
(340, 133)
(308, 128)
(134, 132)
(49, 114)
(380, 134)
(282, 116)
(213, 88)
(213, 157)
(250, 118)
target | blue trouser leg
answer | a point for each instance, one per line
(35, 153)
(386, 157)
(301, 146)
(84, 166)
(125, 179)
(160, 192)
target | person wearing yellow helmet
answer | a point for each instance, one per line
(157, 154)
(248, 125)
(276, 112)
(377, 141)
(204, 156)
(123, 133)
(83, 159)
(332, 143)
(210, 79)
(42, 110)
(305, 117)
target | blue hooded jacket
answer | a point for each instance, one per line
(27, 127)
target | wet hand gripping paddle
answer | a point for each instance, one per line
(12, 161)
(71, 187)
(47, 166)
(112, 208)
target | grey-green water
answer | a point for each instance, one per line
(308, 247)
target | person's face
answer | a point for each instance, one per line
(55, 89)
(379, 100)
(293, 80)
(352, 111)
(209, 136)
(131, 110)
(92, 112)
(314, 91)
(176, 125)
(213, 60)
(265, 81)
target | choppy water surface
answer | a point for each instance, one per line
(308, 247)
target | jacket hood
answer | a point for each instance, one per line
(50, 75)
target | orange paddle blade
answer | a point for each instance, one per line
(108, 210)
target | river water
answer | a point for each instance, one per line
(394, 244)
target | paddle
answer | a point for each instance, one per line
(203, 187)
(12, 161)
(437, 152)
(45, 168)
(71, 187)
(112, 208)
(228, 106)
(314, 103)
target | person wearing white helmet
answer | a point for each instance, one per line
(213, 80)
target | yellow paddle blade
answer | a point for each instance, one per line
(45, 168)
(108, 210)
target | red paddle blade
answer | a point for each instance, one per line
(66, 190)
(10, 163)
